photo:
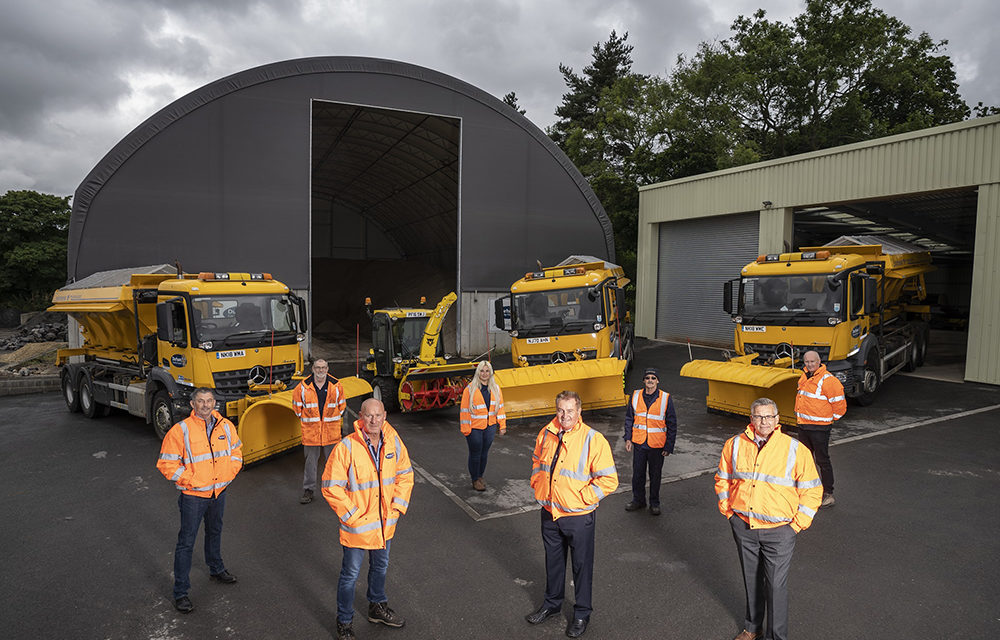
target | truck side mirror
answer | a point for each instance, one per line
(871, 296)
(170, 323)
(727, 297)
(501, 313)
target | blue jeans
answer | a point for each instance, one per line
(378, 564)
(479, 441)
(193, 511)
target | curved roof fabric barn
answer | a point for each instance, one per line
(337, 158)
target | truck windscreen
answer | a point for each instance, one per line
(799, 294)
(556, 312)
(217, 318)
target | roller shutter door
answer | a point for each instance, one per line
(696, 257)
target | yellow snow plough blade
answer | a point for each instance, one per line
(734, 385)
(268, 424)
(531, 391)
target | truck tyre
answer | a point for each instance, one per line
(870, 381)
(163, 413)
(88, 405)
(923, 337)
(71, 394)
(912, 355)
(385, 389)
(628, 350)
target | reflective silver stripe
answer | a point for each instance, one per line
(311, 405)
(335, 483)
(187, 439)
(663, 408)
(550, 503)
(753, 476)
(316, 419)
(391, 522)
(722, 475)
(806, 416)
(211, 487)
(362, 529)
(761, 516)
(398, 500)
(838, 416)
(806, 510)
(170, 456)
(541, 467)
(501, 416)
(597, 490)
(736, 450)
(202, 457)
(296, 403)
(723, 495)
(809, 484)
(607, 471)
(177, 474)
(656, 430)
(237, 459)
(400, 472)
(836, 398)
(350, 512)
(817, 396)
(790, 462)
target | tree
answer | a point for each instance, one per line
(33, 231)
(510, 99)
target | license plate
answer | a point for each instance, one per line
(754, 328)
(537, 340)
(222, 355)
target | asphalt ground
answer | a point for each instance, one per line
(910, 550)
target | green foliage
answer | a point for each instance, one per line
(840, 72)
(33, 231)
(511, 99)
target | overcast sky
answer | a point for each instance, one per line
(78, 75)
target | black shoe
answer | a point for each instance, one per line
(344, 631)
(380, 612)
(543, 614)
(307, 497)
(634, 506)
(576, 628)
(183, 604)
(225, 577)
(654, 510)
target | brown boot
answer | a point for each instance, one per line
(479, 485)
(747, 635)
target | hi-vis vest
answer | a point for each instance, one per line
(650, 423)
(199, 464)
(820, 398)
(474, 413)
(367, 494)
(583, 473)
(770, 486)
(319, 428)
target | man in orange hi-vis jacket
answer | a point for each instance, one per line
(201, 455)
(320, 404)
(818, 403)
(769, 490)
(572, 470)
(367, 481)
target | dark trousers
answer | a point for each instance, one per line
(818, 441)
(643, 460)
(765, 557)
(480, 441)
(193, 511)
(575, 533)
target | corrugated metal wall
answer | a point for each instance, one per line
(695, 258)
(983, 356)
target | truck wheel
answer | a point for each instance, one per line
(70, 392)
(88, 406)
(923, 337)
(385, 389)
(870, 383)
(163, 413)
(912, 355)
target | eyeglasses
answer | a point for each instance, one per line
(650, 378)
(768, 418)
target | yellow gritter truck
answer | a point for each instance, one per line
(568, 330)
(856, 301)
(149, 338)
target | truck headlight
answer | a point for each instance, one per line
(833, 321)
(205, 345)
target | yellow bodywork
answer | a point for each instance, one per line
(268, 424)
(734, 385)
(107, 316)
(531, 391)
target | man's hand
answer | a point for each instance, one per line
(628, 446)
(665, 453)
